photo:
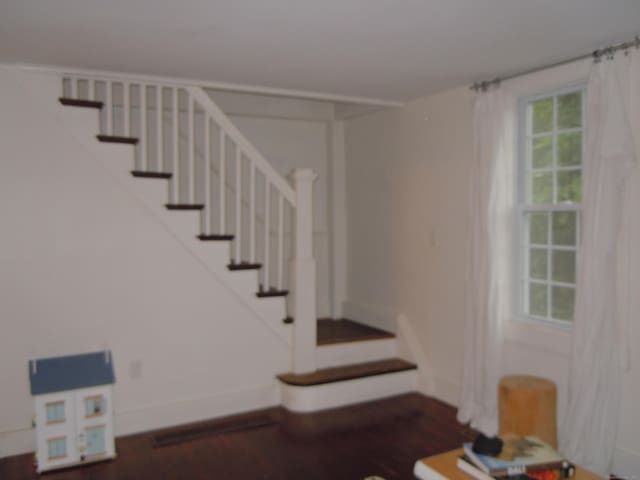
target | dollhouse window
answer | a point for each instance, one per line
(94, 406)
(57, 447)
(55, 412)
(95, 440)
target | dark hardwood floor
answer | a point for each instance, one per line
(382, 438)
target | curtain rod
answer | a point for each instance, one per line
(597, 55)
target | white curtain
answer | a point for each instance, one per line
(588, 430)
(488, 277)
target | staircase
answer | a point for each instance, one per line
(178, 135)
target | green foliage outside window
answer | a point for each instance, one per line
(554, 178)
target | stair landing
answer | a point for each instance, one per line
(343, 330)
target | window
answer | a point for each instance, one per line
(57, 447)
(55, 412)
(94, 406)
(550, 192)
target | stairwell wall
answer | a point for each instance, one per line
(86, 267)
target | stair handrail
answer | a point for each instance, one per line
(205, 102)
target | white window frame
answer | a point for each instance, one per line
(523, 175)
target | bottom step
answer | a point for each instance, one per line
(347, 372)
(339, 386)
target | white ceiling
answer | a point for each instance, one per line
(385, 49)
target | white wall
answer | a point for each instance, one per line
(407, 177)
(85, 266)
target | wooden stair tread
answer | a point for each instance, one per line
(184, 206)
(144, 174)
(331, 331)
(214, 237)
(272, 292)
(347, 372)
(117, 139)
(244, 266)
(75, 102)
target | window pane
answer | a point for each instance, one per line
(55, 412)
(564, 266)
(538, 300)
(562, 299)
(569, 186)
(57, 448)
(542, 187)
(542, 115)
(570, 110)
(542, 152)
(93, 406)
(538, 263)
(569, 149)
(563, 228)
(539, 228)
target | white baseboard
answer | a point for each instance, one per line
(330, 395)
(626, 464)
(196, 409)
(17, 442)
(447, 391)
(409, 348)
(163, 415)
(373, 315)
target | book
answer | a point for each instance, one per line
(463, 463)
(518, 456)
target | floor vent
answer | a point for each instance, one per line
(202, 430)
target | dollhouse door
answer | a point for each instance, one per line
(92, 423)
(96, 444)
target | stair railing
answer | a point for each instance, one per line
(172, 123)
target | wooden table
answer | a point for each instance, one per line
(443, 467)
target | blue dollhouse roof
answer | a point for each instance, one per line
(49, 375)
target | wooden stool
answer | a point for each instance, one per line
(527, 406)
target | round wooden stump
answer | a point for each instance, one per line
(527, 406)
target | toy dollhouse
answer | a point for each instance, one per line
(73, 404)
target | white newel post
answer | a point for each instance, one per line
(303, 274)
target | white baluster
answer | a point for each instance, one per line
(159, 149)
(73, 84)
(126, 111)
(280, 258)
(175, 183)
(267, 218)
(108, 107)
(191, 165)
(238, 240)
(144, 158)
(252, 212)
(223, 180)
(90, 89)
(207, 175)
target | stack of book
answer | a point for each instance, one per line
(520, 457)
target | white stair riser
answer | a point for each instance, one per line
(355, 352)
(337, 394)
